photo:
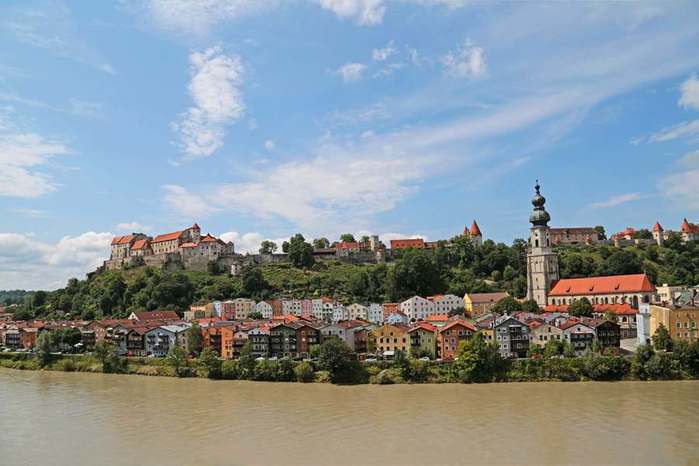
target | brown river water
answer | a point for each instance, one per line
(54, 418)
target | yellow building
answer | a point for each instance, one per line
(683, 323)
(477, 304)
(390, 338)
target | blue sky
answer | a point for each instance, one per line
(260, 119)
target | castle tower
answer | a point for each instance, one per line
(542, 262)
(195, 233)
(476, 235)
(658, 234)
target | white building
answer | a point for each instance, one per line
(375, 313)
(243, 307)
(339, 312)
(445, 303)
(417, 308)
(265, 309)
(291, 307)
(357, 312)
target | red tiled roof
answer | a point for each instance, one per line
(657, 227)
(156, 315)
(463, 323)
(637, 283)
(126, 239)
(140, 244)
(209, 239)
(188, 245)
(424, 326)
(618, 309)
(347, 245)
(689, 227)
(438, 318)
(167, 237)
(475, 231)
(417, 243)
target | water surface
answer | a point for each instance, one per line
(54, 418)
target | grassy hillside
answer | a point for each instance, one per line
(458, 269)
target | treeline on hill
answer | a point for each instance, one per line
(458, 269)
(8, 297)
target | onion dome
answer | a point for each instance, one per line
(539, 217)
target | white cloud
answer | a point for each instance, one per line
(131, 227)
(53, 28)
(615, 201)
(384, 53)
(682, 185)
(387, 237)
(21, 157)
(362, 12)
(28, 263)
(681, 130)
(345, 183)
(199, 16)
(351, 72)
(690, 93)
(269, 144)
(186, 203)
(467, 61)
(249, 242)
(218, 101)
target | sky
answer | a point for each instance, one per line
(259, 119)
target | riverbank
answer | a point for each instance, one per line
(643, 366)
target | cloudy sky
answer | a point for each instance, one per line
(262, 118)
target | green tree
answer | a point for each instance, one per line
(531, 306)
(254, 283)
(247, 361)
(177, 358)
(347, 238)
(268, 247)
(195, 340)
(339, 360)
(639, 363)
(321, 243)
(507, 305)
(255, 315)
(107, 354)
(285, 247)
(477, 360)
(580, 308)
(304, 372)
(43, 349)
(414, 273)
(211, 362)
(623, 262)
(300, 252)
(661, 339)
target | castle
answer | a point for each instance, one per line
(185, 246)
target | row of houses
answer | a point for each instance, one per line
(436, 337)
(330, 310)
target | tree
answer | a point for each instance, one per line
(415, 273)
(304, 372)
(107, 354)
(321, 243)
(641, 357)
(268, 247)
(300, 252)
(339, 360)
(661, 339)
(477, 360)
(623, 262)
(195, 340)
(601, 232)
(507, 305)
(255, 315)
(43, 349)
(254, 282)
(347, 238)
(580, 308)
(364, 239)
(285, 247)
(177, 357)
(211, 362)
(247, 361)
(531, 306)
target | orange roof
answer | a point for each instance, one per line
(657, 227)
(602, 285)
(423, 326)
(438, 318)
(347, 245)
(167, 237)
(475, 231)
(209, 239)
(157, 315)
(463, 323)
(188, 245)
(126, 239)
(618, 309)
(689, 227)
(417, 243)
(141, 244)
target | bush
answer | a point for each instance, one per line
(230, 370)
(341, 362)
(304, 372)
(66, 365)
(659, 367)
(211, 362)
(323, 377)
(285, 370)
(605, 368)
(388, 377)
(265, 371)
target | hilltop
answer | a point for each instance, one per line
(463, 267)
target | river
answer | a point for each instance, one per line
(55, 418)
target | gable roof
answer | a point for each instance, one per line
(463, 323)
(156, 315)
(126, 239)
(167, 237)
(481, 298)
(474, 230)
(613, 284)
(141, 244)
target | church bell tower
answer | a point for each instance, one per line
(542, 262)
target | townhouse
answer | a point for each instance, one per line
(417, 308)
(389, 338)
(579, 334)
(423, 340)
(512, 337)
(450, 337)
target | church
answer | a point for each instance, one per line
(545, 286)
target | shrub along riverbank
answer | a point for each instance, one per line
(478, 362)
